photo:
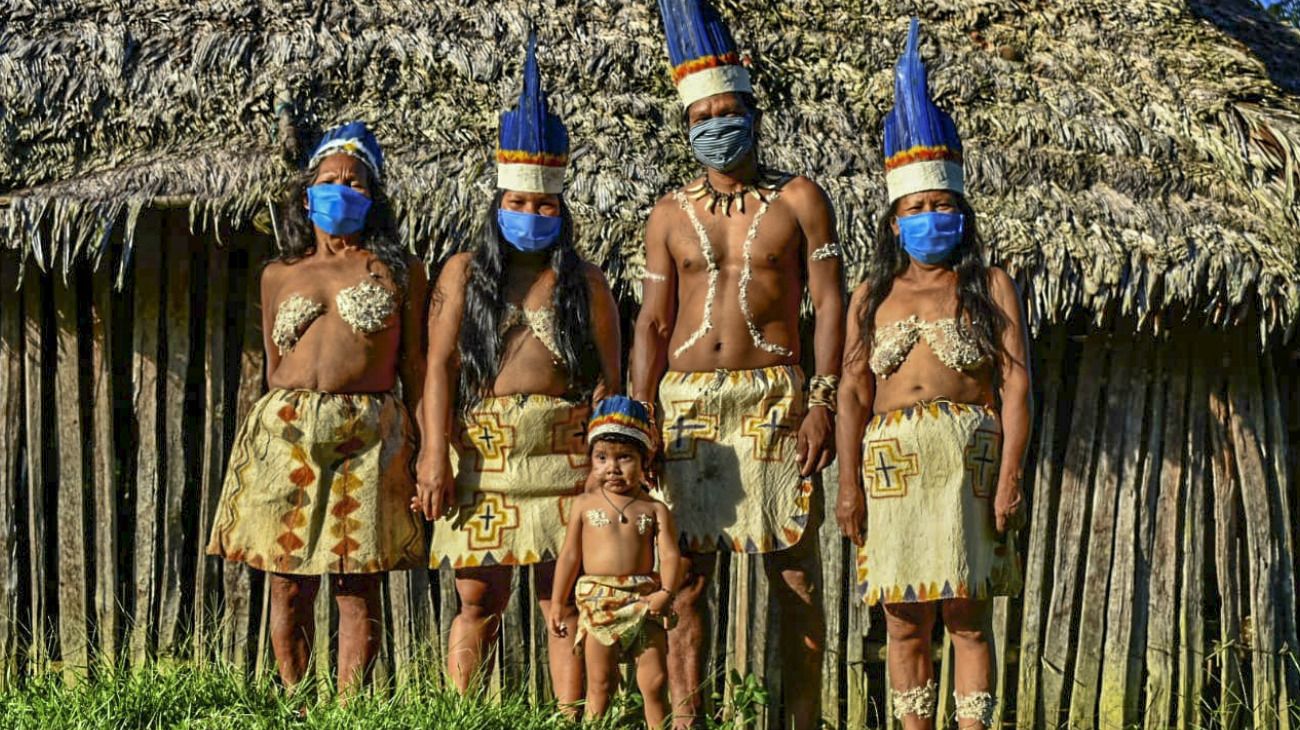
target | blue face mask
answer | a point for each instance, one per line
(337, 209)
(721, 143)
(529, 232)
(931, 237)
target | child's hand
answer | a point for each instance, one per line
(659, 603)
(558, 626)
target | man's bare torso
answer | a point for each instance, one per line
(753, 311)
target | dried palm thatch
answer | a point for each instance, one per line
(1126, 157)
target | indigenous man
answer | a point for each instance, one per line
(717, 348)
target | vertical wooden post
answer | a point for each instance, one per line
(1162, 606)
(1116, 601)
(207, 570)
(398, 621)
(11, 403)
(836, 582)
(105, 474)
(1227, 558)
(1076, 486)
(1121, 398)
(238, 624)
(1273, 398)
(1268, 577)
(1191, 622)
(35, 379)
(1042, 501)
(70, 514)
(177, 325)
(145, 356)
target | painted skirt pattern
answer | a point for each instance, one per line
(730, 469)
(519, 460)
(320, 483)
(929, 472)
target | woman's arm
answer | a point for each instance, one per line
(857, 395)
(433, 478)
(607, 333)
(1015, 396)
(270, 287)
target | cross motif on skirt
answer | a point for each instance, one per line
(887, 470)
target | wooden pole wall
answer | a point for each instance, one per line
(1159, 561)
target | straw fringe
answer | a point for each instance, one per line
(1125, 159)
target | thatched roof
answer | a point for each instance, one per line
(1126, 156)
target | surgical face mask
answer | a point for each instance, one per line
(529, 232)
(720, 143)
(931, 237)
(338, 210)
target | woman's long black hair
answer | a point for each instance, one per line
(889, 261)
(485, 305)
(298, 237)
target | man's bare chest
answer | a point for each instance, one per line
(768, 240)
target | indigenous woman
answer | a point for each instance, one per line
(523, 335)
(320, 474)
(934, 416)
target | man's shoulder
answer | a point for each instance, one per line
(801, 188)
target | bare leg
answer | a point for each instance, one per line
(910, 626)
(602, 675)
(795, 577)
(483, 593)
(968, 622)
(687, 643)
(293, 623)
(652, 675)
(360, 630)
(565, 664)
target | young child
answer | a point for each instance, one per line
(614, 529)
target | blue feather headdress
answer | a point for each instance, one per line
(922, 148)
(533, 147)
(702, 53)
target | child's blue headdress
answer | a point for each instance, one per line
(352, 139)
(622, 416)
(533, 148)
(702, 53)
(922, 149)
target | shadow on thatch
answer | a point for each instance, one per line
(1271, 42)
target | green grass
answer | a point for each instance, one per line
(182, 695)
(186, 696)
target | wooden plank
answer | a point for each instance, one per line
(765, 655)
(1120, 397)
(448, 606)
(836, 586)
(35, 383)
(944, 706)
(322, 616)
(1191, 621)
(510, 658)
(1042, 494)
(106, 486)
(146, 355)
(1162, 606)
(1228, 565)
(1273, 398)
(398, 621)
(856, 686)
(11, 422)
(176, 323)
(1268, 567)
(1076, 485)
(207, 570)
(1118, 600)
(70, 514)
(1001, 645)
(424, 626)
(238, 629)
